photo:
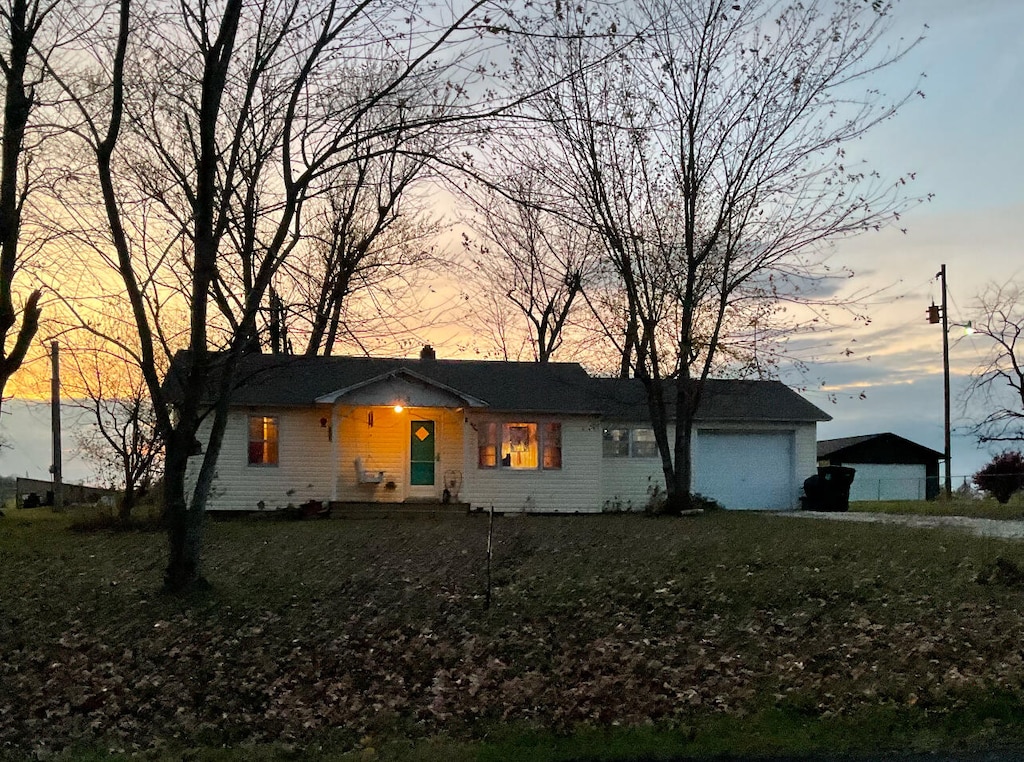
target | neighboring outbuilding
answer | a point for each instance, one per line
(534, 437)
(888, 466)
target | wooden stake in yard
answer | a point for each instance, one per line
(490, 532)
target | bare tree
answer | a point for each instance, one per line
(538, 261)
(705, 142)
(121, 440)
(998, 383)
(368, 227)
(257, 107)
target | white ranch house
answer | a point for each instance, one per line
(516, 436)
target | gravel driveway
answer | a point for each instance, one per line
(1008, 530)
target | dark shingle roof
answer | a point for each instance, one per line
(722, 400)
(508, 386)
(299, 380)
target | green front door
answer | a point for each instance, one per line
(421, 454)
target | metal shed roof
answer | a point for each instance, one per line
(876, 448)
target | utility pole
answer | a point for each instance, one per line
(55, 469)
(934, 315)
(947, 452)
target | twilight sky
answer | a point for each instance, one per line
(963, 141)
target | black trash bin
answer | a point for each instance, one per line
(828, 490)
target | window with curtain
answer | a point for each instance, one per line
(263, 440)
(519, 445)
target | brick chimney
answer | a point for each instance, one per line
(428, 353)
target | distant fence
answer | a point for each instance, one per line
(895, 488)
(36, 492)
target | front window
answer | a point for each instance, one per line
(553, 445)
(263, 438)
(519, 446)
(487, 445)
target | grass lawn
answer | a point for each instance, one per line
(607, 637)
(983, 508)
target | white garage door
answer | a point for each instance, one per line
(884, 481)
(746, 469)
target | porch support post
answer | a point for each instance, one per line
(335, 450)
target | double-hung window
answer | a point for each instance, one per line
(552, 442)
(643, 444)
(629, 443)
(616, 443)
(263, 440)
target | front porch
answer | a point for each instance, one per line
(396, 454)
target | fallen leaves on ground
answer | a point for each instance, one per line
(377, 627)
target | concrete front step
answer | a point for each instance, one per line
(416, 509)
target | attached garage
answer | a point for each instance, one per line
(746, 469)
(753, 444)
(888, 466)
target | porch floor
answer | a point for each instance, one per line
(413, 509)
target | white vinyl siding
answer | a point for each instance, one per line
(302, 472)
(318, 462)
(628, 483)
(575, 487)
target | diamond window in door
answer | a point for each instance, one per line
(421, 454)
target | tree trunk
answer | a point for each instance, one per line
(184, 526)
(654, 388)
(679, 482)
(629, 344)
(682, 474)
(677, 462)
(124, 511)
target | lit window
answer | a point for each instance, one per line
(552, 446)
(616, 443)
(263, 437)
(644, 444)
(519, 445)
(487, 445)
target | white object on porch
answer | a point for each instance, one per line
(367, 477)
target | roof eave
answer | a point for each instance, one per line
(332, 397)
